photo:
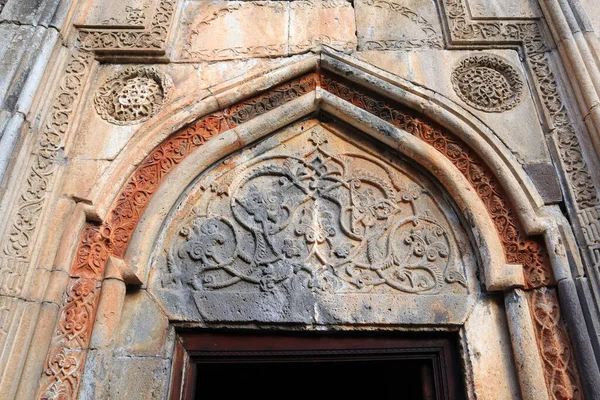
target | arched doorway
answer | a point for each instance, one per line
(399, 267)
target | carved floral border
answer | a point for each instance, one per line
(529, 252)
(67, 353)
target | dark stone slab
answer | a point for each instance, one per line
(546, 181)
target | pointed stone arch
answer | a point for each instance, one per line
(131, 206)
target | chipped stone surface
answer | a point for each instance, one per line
(28, 12)
(221, 30)
(488, 351)
(139, 378)
(143, 330)
(261, 239)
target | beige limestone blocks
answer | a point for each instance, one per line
(504, 9)
(329, 22)
(224, 30)
(397, 25)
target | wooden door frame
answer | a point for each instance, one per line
(192, 347)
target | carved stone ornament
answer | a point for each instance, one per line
(318, 216)
(133, 95)
(487, 83)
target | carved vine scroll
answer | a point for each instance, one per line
(559, 366)
(313, 217)
(576, 171)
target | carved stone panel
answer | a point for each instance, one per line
(397, 25)
(315, 226)
(222, 30)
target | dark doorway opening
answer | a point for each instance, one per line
(408, 367)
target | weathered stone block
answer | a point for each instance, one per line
(317, 22)
(397, 25)
(81, 176)
(308, 227)
(488, 349)
(546, 181)
(139, 378)
(143, 328)
(14, 57)
(504, 9)
(222, 30)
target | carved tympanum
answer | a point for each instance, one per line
(487, 83)
(316, 215)
(132, 95)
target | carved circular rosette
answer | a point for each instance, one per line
(133, 95)
(488, 83)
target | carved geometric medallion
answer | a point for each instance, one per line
(133, 95)
(316, 217)
(487, 83)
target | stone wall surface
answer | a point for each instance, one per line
(405, 165)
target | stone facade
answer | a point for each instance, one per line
(318, 165)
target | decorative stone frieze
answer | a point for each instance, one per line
(133, 95)
(66, 359)
(249, 238)
(315, 23)
(205, 33)
(133, 17)
(66, 356)
(582, 190)
(487, 83)
(576, 170)
(271, 208)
